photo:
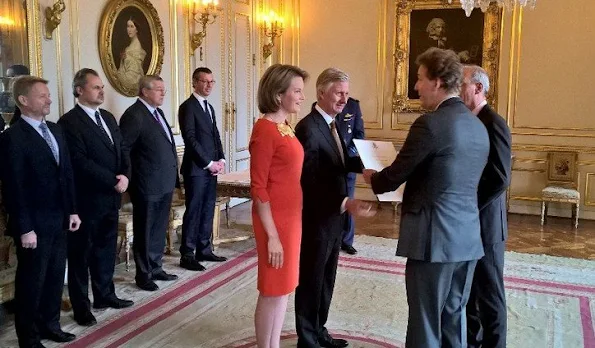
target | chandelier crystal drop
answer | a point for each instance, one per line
(469, 5)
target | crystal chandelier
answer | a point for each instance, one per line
(469, 5)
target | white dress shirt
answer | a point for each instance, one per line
(91, 113)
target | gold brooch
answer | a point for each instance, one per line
(285, 129)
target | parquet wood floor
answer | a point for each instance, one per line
(556, 238)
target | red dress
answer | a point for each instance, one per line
(275, 169)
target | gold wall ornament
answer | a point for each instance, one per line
(475, 39)
(53, 17)
(272, 27)
(131, 43)
(203, 12)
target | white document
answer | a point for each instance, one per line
(378, 155)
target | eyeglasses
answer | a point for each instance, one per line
(208, 82)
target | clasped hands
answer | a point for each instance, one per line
(217, 168)
(122, 184)
(29, 239)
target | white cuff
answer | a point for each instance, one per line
(343, 209)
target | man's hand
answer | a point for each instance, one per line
(74, 223)
(29, 240)
(221, 166)
(122, 184)
(360, 208)
(368, 175)
(215, 168)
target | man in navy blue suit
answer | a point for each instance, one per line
(351, 126)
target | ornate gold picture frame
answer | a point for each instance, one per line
(130, 43)
(476, 40)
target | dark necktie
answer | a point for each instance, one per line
(100, 125)
(337, 139)
(208, 111)
(158, 119)
(45, 133)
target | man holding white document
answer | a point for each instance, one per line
(441, 160)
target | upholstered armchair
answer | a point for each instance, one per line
(562, 184)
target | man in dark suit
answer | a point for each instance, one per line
(486, 312)
(325, 201)
(95, 142)
(203, 161)
(40, 201)
(442, 160)
(350, 125)
(149, 151)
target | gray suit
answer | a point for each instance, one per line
(442, 161)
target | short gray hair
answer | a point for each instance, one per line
(329, 76)
(147, 82)
(479, 75)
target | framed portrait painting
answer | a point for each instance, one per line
(130, 43)
(422, 24)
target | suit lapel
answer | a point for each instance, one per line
(326, 131)
(95, 128)
(36, 137)
(203, 117)
(154, 122)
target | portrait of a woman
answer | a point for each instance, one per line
(132, 58)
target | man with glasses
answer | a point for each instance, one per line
(203, 161)
(149, 151)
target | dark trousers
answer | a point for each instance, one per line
(39, 283)
(197, 227)
(318, 270)
(437, 294)
(92, 250)
(486, 311)
(349, 232)
(150, 220)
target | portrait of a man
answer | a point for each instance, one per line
(446, 29)
(131, 43)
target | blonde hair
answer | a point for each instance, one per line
(22, 86)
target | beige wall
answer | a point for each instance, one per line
(544, 79)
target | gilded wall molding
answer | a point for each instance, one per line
(175, 74)
(34, 37)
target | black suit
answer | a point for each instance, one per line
(486, 312)
(202, 145)
(96, 162)
(324, 186)
(39, 196)
(151, 158)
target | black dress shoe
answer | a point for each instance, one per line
(86, 319)
(38, 345)
(211, 257)
(147, 286)
(348, 249)
(191, 264)
(333, 343)
(114, 302)
(164, 276)
(58, 336)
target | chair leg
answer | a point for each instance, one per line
(543, 212)
(227, 215)
(127, 243)
(576, 210)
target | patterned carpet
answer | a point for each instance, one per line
(550, 304)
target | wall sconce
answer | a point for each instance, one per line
(272, 26)
(203, 12)
(53, 17)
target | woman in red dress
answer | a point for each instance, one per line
(276, 158)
